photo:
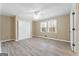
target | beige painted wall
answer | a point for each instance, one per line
(12, 27)
(63, 27)
(7, 27)
(33, 27)
(0, 27)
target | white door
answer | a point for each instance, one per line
(24, 29)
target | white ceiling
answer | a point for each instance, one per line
(27, 9)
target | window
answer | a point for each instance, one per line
(43, 26)
(52, 26)
(49, 26)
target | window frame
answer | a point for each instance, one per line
(55, 26)
(47, 28)
(41, 27)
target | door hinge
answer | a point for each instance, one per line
(73, 13)
(73, 44)
(73, 29)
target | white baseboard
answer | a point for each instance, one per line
(22, 39)
(52, 38)
(7, 40)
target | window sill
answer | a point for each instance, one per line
(48, 32)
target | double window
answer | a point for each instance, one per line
(48, 26)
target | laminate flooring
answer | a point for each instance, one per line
(37, 47)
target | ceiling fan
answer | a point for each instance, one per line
(36, 14)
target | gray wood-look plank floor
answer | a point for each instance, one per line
(37, 47)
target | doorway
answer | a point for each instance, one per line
(23, 29)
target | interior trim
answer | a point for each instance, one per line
(6, 40)
(51, 38)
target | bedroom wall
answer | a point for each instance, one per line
(0, 27)
(63, 28)
(7, 27)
